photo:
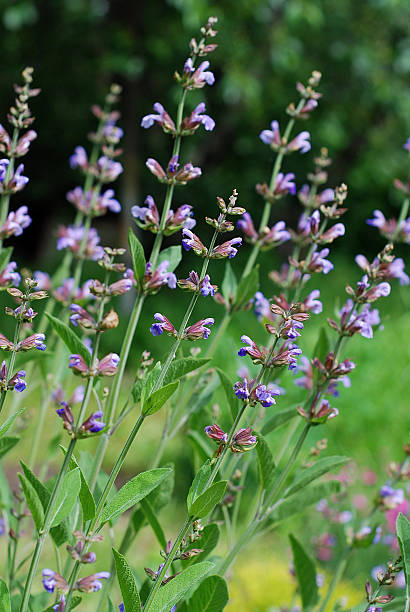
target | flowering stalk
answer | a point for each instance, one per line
(136, 311)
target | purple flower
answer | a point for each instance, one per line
(312, 303)
(199, 330)
(241, 389)
(9, 276)
(191, 241)
(181, 218)
(16, 222)
(196, 79)
(384, 270)
(226, 249)
(275, 236)
(42, 279)
(71, 238)
(93, 424)
(284, 184)
(78, 365)
(163, 325)
(262, 307)
(243, 440)
(246, 225)
(265, 395)
(257, 354)
(33, 341)
(120, 286)
(318, 263)
(196, 118)
(205, 286)
(161, 117)
(53, 581)
(90, 202)
(300, 143)
(391, 498)
(331, 234)
(108, 365)
(60, 606)
(272, 137)
(156, 169)
(147, 217)
(107, 170)
(153, 281)
(79, 158)
(92, 583)
(287, 355)
(362, 323)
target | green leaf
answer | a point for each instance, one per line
(227, 386)
(5, 255)
(5, 605)
(278, 419)
(305, 574)
(149, 382)
(67, 497)
(86, 497)
(306, 476)
(137, 255)
(403, 536)
(150, 515)
(200, 445)
(247, 288)
(211, 595)
(206, 502)
(267, 468)
(128, 586)
(33, 502)
(199, 483)
(6, 444)
(7, 424)
(229, 284)
(70, 338)
(300, 501)
(173, 254)
(209, 539)
(157, 399)
(172, 592)
(181, 367)
(132, 492)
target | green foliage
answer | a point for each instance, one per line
(199, 483)
(403, 535)
(232, 400)
(129, 590)
(267, 469)
(305, 574)
(132, 492)
(33, 502)
(299, 502)
(6, 444)
(319, 468)
(211, 596)
(9, 422)
(67, 497)
(169, 594)
(181, 367)
(152, 519)
(278, 419)
(86, 497)
(4, 597)
(157, 399)
(247, 288)
(229, 284)
(70, 339)
(173, 255)
(208, 541)
(207, 501)
(137, 255)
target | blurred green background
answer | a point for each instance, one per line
(79, 47)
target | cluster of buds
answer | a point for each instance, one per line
(174, 174)
(107, 366)
(243, 440)
(152, 281)
(33, 341)
(327, 375)
(384, 578)
(196, 78)
(319, 412)
(20, 115)
(197, 331)
(337, 208)
(92, 203)
(291, 317)
(185, 550)
(76, 552)
(309, 231)
(153, 575)
(383, 267)
(268, 237)
(309, 96)
(287, 354)
(195, 284)
(119, 287)
(201, 48)
(83, 318)
(391, 229)
(147, 217)
(253, 394)
(146, 362)
(284, 184)
(310, 198)
(108, 133)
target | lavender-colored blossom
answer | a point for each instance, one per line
(15, 223)
(81, 316)
(91, 202)
(390, 497)
(300, 143)
(288, 354)
(153, 281)
(93, 424)
(284, 184)
(384, 270)
(71, 238)
(241, 389)
(53, 581)
(163, 325)
(108, 365)
(243, 440)
(196, 79)
(191, 241)
(226, 249)
(257, 354)
(196, 118)
(275, 236)
(147, 217)
(43, 280)
(332, 233)
(79, 158)
(265, 395)
(312, 303)
(156, 169)
(107, 170)
(362, 323)
(33, 341)
(262, 307)
(68, 291)
(78, 365)
(199, 329)
(318, 263)
(181, 218)
(92, 583)
(9, 276)
(161, 117)
(247, 226)
(120, 287)
(206, 287)
(272, 137)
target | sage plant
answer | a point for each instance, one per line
(80, 505)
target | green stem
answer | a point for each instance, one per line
(403, 214)
(337, 575)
